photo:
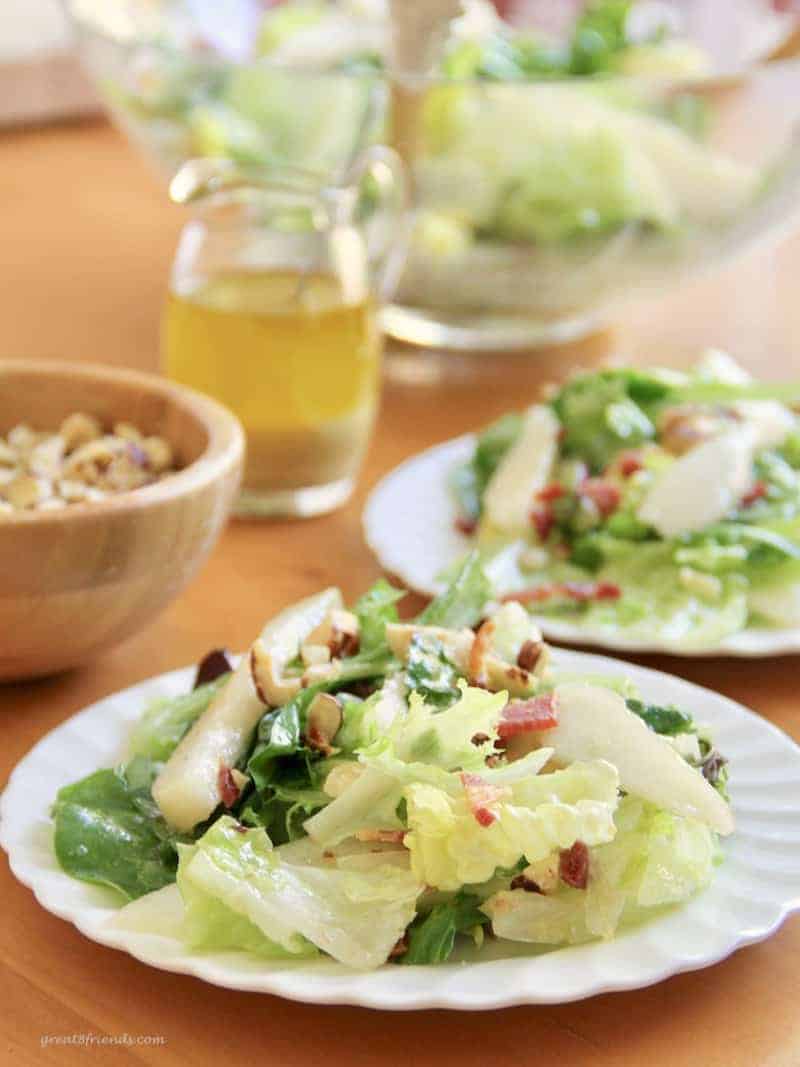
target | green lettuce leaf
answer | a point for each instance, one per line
(376, 608)
(431, 937)
(430, 674)
(464, 600)
(663, 720)
(108, 830)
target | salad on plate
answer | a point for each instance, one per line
(374, 790)
(652, 505)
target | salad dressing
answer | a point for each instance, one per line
(293, 358)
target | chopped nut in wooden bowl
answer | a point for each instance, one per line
(78, 463)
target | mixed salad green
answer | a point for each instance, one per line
(377, 790)
(647, 503)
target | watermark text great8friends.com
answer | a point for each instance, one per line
(91, 1040)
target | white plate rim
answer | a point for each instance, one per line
(665, 946)
(415, 560)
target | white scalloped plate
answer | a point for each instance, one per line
(754, 890)
(409, 523)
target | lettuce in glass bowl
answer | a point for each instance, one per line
(556, 170)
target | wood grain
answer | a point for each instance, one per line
(87, 281)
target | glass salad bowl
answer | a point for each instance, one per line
(557, 171)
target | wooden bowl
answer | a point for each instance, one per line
(75, 581)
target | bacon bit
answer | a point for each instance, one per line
(478, 654)
(226, 784)
(527, 716)
(607, 591)
(553, 491)
(466, 526)
(521, 881)
(480, 795)
(543, 520)
(573, 865)
(629, 463)
(580, 591)
(534, 595)
(604, 495)
(758, 492)
(479, 739)
(529, 654)
(383, 837)
(586, 591)
(400, 948)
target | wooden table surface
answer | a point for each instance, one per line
(87, 237)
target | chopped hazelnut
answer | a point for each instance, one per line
(27, 492)
(127, 432)
(79, 429)
(158, 452)
(324, 721)
(312, 654)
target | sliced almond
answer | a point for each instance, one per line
(324, 721)
(273, 689)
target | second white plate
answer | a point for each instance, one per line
(409, 523)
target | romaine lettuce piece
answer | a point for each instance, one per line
(656, 859)
(356, 916)
(210, 925)
(450, 847)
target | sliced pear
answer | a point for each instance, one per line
(524, 470)
(770, 422)
(702, 486)
(595, 723)
(187, 789)
(159, 914)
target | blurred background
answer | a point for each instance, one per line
(567, 163)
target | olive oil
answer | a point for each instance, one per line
(298, 364)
